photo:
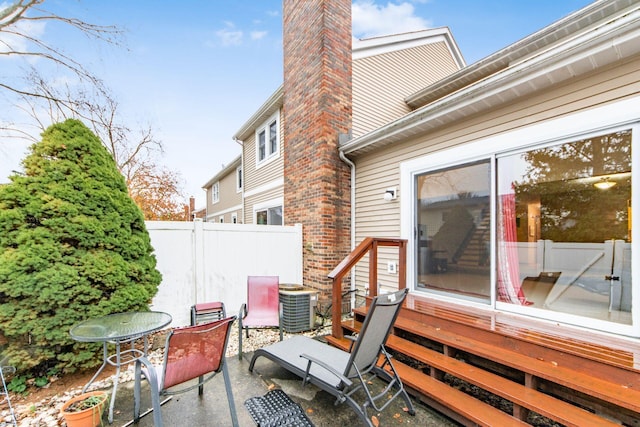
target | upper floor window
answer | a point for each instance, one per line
(215, 193)
(267, 140)
(239, 178)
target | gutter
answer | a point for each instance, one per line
(273, 103)
(606, 36)
(352, 166)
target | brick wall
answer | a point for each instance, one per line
(317, 108)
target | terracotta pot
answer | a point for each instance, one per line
(90, 417)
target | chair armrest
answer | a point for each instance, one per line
(150, 374)
(145, 367)
(312, 359)
(353, 338)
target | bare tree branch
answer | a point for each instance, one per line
(156, 190)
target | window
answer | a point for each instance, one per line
(542, 228)
(262, 149)
(221, 219)
(267, 140)
(273, 137)
(454, 235)
(564, 227)
(215, 192)
(234, 218)
(269, 216)
(239, 178)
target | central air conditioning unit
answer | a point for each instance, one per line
(298, 307)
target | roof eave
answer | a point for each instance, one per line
(617, 34)
(270, 106)
(224, 171)
(517, 51)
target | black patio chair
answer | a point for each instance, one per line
(341, 373)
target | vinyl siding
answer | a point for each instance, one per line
(382, 82)
(230, 200)
(380, 169)
(259, 177)
(257, 199)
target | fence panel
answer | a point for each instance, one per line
(202, 261)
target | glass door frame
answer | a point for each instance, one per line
(600, 120)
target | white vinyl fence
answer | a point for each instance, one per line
(203, 262)
(588, 265)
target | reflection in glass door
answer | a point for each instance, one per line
(564, 228)
(453, 231)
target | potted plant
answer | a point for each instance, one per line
(85, 410)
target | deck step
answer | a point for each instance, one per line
(523, 398)
(441, 396)
(518, 394)
(615, 393)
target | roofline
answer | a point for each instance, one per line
(270, 106)
(621, 23)
(363, 48)
(500, 60)
(224, 171)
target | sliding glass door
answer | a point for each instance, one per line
(564, 227)
(545, 228)
(453, 231)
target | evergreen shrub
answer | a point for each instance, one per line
(73, 245)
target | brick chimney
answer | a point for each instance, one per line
(317, 109)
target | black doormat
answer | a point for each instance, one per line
(276, 409)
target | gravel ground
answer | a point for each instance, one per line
(46, 413)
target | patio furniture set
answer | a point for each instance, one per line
(198, 352)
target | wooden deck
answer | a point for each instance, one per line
(570, 376)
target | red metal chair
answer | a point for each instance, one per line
(262, 309)
(190, 352)
(207, 311)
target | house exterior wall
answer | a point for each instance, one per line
(381, 82)
(230, 200)
(269, 197)
(380, 169)
(262, 182)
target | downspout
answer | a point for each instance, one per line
(244, 177)
(352, 166)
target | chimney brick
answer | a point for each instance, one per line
(317, 108)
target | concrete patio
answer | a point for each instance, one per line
(212, 410)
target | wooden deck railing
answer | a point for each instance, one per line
(369, 246)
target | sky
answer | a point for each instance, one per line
(196, 70)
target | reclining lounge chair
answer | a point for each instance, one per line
(341, 373)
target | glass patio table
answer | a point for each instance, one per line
(118, 329)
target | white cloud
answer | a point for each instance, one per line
(257, 35)
(230, 36)
(371, 19)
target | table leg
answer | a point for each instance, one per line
(105, 357)
(115, 382)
